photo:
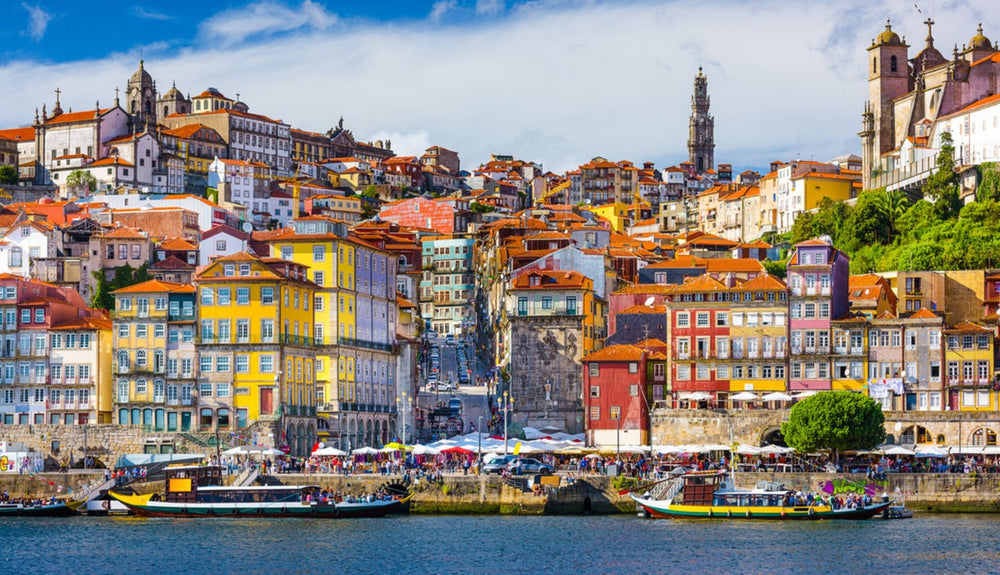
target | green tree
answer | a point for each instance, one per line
(8, 175)
(989, 182)
(868, 223)
(893, 206)
(82, 177)
(124, 276)
(942, 186)
(835, 420)
(776, 269)
(481, 208)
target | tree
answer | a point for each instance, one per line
(126, 275)
(82, 177)
(835, 420)
(893, 205)
(481, 208)
(776, 269)
(868, 223)
(942, 186)
(8, 175)
(989, 182)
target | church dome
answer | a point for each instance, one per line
(173, 94)
(979, 41)
(141, 76)
(888, 37)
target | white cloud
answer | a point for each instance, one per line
(264, 18)
(489, 7)
(554, 84)
(440, 8)
(149, 14)
(38, 21)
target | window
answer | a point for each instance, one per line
(242, 330)
(615, 412)
(266, 363)
(319, 278)
(595, 391)
(721, 319)
(594, 369)
(243, 296)
(222, 364)
(225, 296)
(522, 305)
(702, 319)
(319, 253)
(546, 302)
(595, 412)
(40, 315)
(267, 330)
(633, 367)
(207, 296)
(267, 296)
(141, 330)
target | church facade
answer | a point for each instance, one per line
(913, 101)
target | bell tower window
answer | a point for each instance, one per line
(892, 64)
(875, 65)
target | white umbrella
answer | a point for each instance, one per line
(425, 450)
(777, 396)
(775, 450)
(697, 396)
(270, 451)
(238, 450)
(745, 396)
(803, 394)
(329, 451)
(364, 451)
(634, 449)
(897, 450)
(931, 451)
(748, 450)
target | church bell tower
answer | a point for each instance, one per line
(701, 130)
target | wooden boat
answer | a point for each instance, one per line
(195, 491)
(711, 495)
(60, 509)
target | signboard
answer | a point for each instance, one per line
(241, 391)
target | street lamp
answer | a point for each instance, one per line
(403, 410)
(479, 434)
(618, 438)
(506, 403)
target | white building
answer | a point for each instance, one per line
(24, 242)
(209, 214)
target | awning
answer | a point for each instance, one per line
(694, 396)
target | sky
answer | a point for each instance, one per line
(552, 81)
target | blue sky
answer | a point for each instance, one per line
(553, 81)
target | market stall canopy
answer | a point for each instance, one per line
(329, 452)
(775, 450)
(896, 450)
(364, 451)
(396, 446)
(748, 450)
(424, 450)
(930, 451)
(457, 449)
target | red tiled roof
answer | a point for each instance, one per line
(616, 353)
(152, 286)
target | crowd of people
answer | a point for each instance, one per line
(6, 499)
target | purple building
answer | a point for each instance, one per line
(818, 278)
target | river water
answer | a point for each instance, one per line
(498, 545)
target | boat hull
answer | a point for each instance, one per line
(144, 506)
(56, 510)
(667, 509)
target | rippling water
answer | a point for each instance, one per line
(497, 545)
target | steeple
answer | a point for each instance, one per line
(701, 128)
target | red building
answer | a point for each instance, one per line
(445, 215)
(698, 317)
(617, 411)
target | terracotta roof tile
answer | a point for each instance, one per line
(616, 353)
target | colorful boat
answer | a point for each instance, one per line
(711, 495)
(195, 491)
(60, 509)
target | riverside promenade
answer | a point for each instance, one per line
(596, 494)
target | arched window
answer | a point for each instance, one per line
(165, 112)
(892, 64)
(984, 436)
(940, 439)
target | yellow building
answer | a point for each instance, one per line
(968, 360)
(619, 214)
(154, 358)
(256, 348)
(355, 326)
(758, 323)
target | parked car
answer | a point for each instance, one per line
(455, 403)
(444, 386)
(528, 465)
(498, 464)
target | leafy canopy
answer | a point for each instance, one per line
(8, 175)
(835, 420)
(82, 177)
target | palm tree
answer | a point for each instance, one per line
(891, 206)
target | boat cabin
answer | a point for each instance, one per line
(183, 481)
(699, 488)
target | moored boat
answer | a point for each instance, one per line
(712, 495)
(195, 491)
(58, 509)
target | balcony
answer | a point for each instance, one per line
(723, 355)
(840, 350)
(683, 355)
(752, 355)
(738, 354)
(857, 351)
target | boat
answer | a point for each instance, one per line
(899, 511)
(57, 509)
(712, 495)
(197, 491)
